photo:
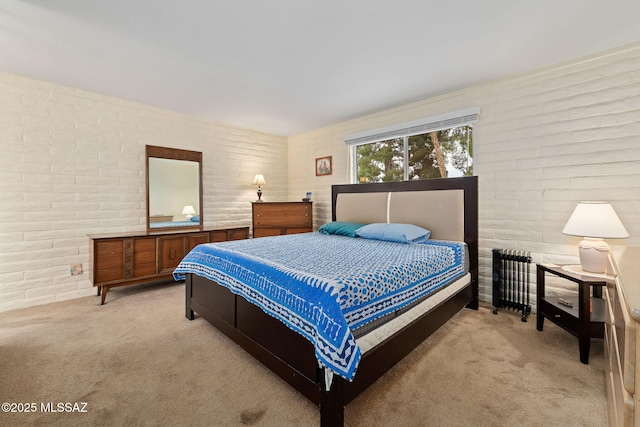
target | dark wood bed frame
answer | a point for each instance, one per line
(291, 356)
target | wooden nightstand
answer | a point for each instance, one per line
(582, 315)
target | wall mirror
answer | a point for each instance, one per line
(174, 188)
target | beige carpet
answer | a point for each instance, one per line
(137, 361)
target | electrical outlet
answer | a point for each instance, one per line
(76, 269)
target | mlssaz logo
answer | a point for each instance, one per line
(63, 407)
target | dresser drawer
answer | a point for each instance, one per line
(237, 234)
(218, 236)
(622, 338)
(194, 240)
(144, 257)
(282, 214)
(276, 218)
(626, 333)
(172, 250)
(266, 232)
(620, 358)
(625, 407)
(296, 230)
(108, 261)
(560, 317)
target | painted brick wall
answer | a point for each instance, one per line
(545, 141)
(72, 163)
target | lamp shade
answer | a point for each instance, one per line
(259, 180)
(595, 219)
(188, 210)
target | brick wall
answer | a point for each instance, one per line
(545, 141)
(72, 163)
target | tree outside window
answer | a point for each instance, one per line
(437, 154)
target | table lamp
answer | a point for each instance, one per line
(189, 211)
(594, 221)
(259, 180)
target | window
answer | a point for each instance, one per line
(435, 147)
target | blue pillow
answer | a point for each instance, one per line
(195, 218)
(402, 233)
(340, 228)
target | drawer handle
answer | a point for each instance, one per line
(557, 315)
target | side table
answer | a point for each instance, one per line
(583, 316)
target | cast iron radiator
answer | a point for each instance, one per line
(511, 281)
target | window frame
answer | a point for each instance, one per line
(465, 117)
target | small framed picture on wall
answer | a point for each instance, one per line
(323, 166)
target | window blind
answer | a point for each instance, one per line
(416, 127)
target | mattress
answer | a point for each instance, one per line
(374, 337)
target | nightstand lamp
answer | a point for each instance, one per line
(189, 211)
(594, 221)
(259, 180)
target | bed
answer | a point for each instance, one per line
(333, 371)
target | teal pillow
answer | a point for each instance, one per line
(402, 233)
(341, 228)
(195, 218)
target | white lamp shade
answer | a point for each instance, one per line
(188, 210)
(259, 180)
(595, 219)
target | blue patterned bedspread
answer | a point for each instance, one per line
(325, 286)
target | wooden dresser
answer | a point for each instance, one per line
(142, 257)
(622, 338)
(275, 218)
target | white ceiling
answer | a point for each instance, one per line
(288, 66)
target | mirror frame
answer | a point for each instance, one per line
(174, 154)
